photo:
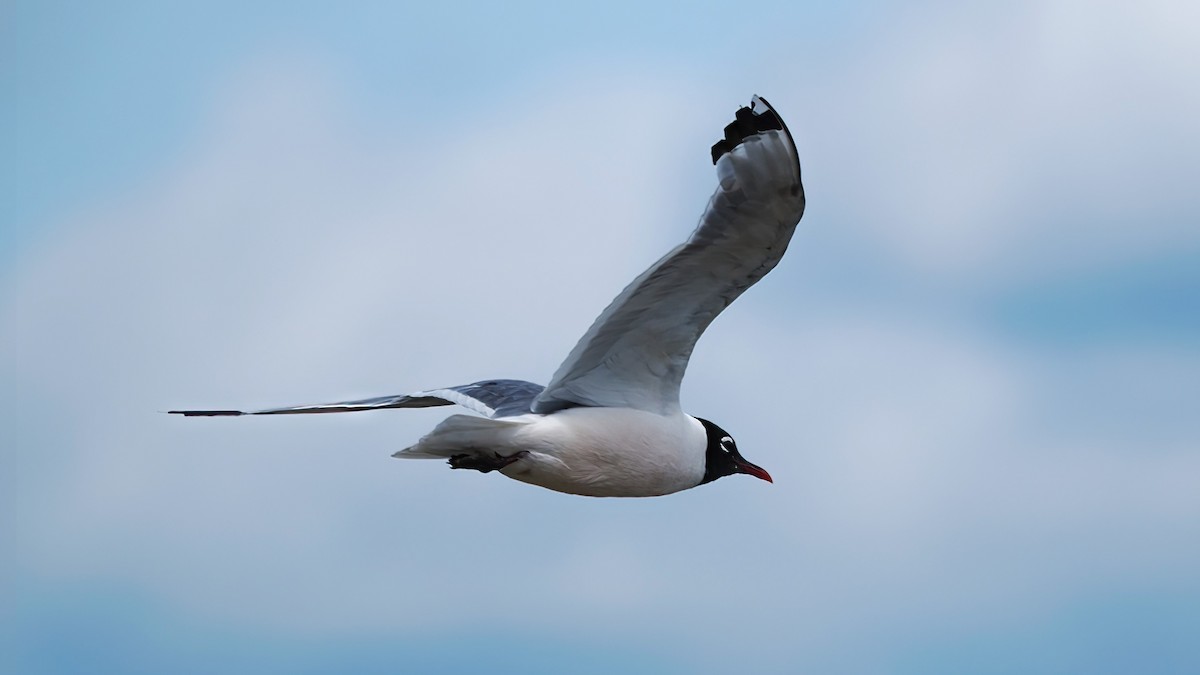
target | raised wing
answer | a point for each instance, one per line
(636, 352)
(491, 398)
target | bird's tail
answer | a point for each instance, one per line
(459, 434)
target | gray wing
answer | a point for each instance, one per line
(491, 398)
(636, 352)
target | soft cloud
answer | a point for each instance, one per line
(1041, 140)
(934, 477)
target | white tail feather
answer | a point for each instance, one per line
(460, 434)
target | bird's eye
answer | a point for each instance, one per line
(728, 444)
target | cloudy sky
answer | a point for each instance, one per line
(974, 377)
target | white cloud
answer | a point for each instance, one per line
(292, 258)
(979, 145)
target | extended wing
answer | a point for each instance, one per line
(491, 398)
(635, 353)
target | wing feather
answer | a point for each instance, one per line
(636, 352)
(491, 398)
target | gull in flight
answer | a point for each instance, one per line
(609, 423)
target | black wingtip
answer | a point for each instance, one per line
(747, 122)
(206, 413)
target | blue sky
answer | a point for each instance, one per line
(973, 376)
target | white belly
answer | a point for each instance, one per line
(610, 452)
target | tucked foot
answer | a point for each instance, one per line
(483, 462)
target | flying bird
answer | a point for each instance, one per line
(609, 423)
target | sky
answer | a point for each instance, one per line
(973, 377)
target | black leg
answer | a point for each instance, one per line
(483, 462)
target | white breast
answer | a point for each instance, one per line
(610, 452)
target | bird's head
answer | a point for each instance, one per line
(722, 458)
